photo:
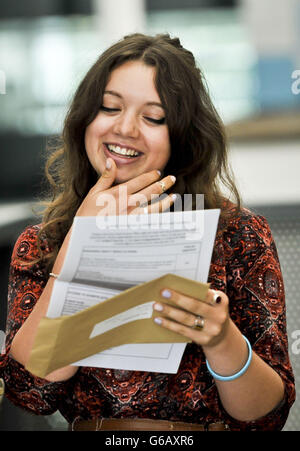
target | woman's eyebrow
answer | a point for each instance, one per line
(116, 94)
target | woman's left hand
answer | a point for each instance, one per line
(204, 322)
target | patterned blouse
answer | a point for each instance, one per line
(244, 264)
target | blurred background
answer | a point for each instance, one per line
(249, 51)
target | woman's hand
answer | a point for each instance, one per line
(131, 197)
(254, 394)
(204, 322)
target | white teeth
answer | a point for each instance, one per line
(123, 150)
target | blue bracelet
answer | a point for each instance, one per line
(236, 375)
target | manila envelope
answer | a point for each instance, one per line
(64, 340)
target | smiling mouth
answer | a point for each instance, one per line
(124, 152)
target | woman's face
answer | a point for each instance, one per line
(130, 127)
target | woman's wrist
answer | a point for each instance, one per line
(232, 377)
(229, 355)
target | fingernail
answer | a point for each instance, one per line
(158, 307)
(108, 163)
(158, 321)
(166, 294)
(173, 178)
(174, 197)
(159, 173)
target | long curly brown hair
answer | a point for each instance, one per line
(197, 137)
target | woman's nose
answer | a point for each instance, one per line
(127, 125)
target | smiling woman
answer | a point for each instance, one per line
(130, 127)
(135, 83)
(142, 119)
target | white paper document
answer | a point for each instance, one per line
(107, 255)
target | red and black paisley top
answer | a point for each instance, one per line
(244, 264)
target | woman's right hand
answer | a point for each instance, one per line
(131, 197)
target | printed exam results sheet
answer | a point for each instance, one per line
(107, 255)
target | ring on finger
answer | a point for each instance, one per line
(163, 186)
(198, 323)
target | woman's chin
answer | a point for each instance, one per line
(124, 176)
(119, 180)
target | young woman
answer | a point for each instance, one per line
(142, 119)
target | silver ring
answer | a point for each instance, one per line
(198, 323)
(163, 186)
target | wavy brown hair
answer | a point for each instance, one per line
(197, 137)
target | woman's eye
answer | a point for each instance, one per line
(109, 110)
(156, 121)
(150, 119)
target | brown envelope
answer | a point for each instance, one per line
(64, 340)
